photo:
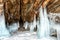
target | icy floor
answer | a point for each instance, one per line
(27, 36)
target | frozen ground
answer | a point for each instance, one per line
(27, 36)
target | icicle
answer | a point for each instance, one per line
(25, 25)
(38, 28)
(43, 29)
(18, 24)
(42, 26)
(33, 24)
(46, 23)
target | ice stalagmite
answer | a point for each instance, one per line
(3, 30)
(14, 27)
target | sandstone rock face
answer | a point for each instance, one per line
(12, 10)
(1, 6)
(54, 6)
(27, 9)
(24, 9)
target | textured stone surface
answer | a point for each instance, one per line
(54, 6)
(12, 10)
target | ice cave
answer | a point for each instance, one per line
(29, 19)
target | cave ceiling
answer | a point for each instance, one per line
(54, 6)
(15, 10)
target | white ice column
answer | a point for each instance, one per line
(43, 29)
(46, 23)
(3, 30)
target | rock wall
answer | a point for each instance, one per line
(12, 10)
(54, 6)
(25, 10)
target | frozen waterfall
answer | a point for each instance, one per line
(43, 26)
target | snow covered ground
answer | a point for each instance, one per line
(26, 36)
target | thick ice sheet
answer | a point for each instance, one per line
(27, 36)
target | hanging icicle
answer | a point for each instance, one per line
(42, 28)
(34, 21)
(47, 25)
(33, 24)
